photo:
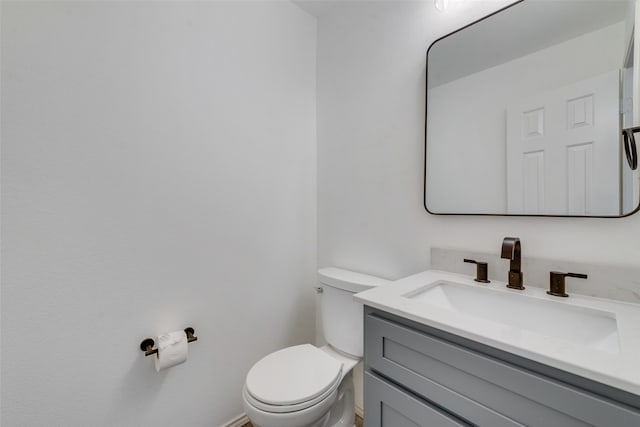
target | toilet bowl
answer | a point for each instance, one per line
(298, 387)
(309, 386)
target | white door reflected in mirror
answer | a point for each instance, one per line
(563, 155)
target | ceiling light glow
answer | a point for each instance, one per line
(441, 5)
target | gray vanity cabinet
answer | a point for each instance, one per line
(390, 406)
(420, 376)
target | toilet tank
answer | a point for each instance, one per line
(342, 317)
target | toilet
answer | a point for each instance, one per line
(309, 386)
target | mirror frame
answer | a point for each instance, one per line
(426, 124)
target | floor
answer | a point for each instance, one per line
(359, 422)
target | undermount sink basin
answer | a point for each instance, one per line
(515, 313)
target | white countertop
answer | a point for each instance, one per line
(620, 370)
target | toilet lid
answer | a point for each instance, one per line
(293, 375)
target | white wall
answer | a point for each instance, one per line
(467, 117)
(371, 63)
(371, 95)
(158, 171)
(371, 86)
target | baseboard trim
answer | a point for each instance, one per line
(238, 421)
(242, 419)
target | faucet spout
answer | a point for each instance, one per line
(511, 250)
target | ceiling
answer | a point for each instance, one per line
(318, 8)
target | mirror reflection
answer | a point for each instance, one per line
(525, 112)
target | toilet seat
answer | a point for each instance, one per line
(282, 409)
(292, 379)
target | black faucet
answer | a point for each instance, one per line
(511, 251)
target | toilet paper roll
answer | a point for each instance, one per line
(172, 350)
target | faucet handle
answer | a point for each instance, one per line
(557, 285)
(482, 269)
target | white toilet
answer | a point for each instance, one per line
(307, 386)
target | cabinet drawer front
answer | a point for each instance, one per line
(437, 369)
(388, 406)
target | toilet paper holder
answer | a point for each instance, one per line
(148, 343)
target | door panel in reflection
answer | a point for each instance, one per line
(563, 151)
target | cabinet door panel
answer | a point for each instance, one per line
(388, 406)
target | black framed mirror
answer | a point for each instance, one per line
(526, 111)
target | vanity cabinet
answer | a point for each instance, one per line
(416, 375)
